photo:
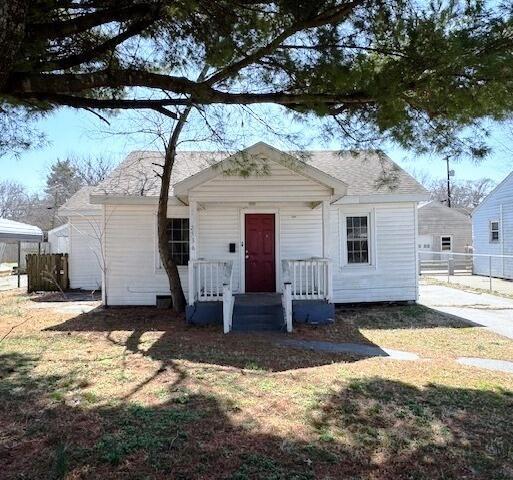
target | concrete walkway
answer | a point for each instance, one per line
(356, 348)
(487, 363)
(495, 313)
(376, 351)
(10, 282)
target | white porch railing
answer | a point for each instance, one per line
(211, 281)
(206, 279)
(310, 279)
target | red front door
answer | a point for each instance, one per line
(260, 253)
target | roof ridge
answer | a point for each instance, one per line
(361, 170)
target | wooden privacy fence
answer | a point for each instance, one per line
(47, 272)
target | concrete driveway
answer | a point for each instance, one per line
(490, 311)
(10, 282)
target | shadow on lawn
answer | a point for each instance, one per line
(367, 429)
(205, 344)
(251, 350)
(395, 316)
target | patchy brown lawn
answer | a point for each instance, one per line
(135, 393)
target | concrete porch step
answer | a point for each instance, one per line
(245, 309)
(258, 312)
(257, 323)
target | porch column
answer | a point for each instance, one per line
(326, 229)
(193, 247)
(193, 230)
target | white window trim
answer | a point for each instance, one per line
(450, 238)
(158, 264)
(371, 228)
(498, 231)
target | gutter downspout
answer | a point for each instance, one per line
(416, 240)
(501, 214)
(104, 257)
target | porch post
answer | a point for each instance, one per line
(193, 249)
(193, 230)
(326, 229)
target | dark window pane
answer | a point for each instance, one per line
(357, 239)
(178, 240)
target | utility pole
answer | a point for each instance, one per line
(450, 173)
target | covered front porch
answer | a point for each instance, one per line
(266, 233)
(267, 278)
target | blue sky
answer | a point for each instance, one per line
(79, 132)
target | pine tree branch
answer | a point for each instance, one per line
(50, 86)
(334, 15)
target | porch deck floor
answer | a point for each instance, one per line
(258, 299)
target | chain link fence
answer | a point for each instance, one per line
(475, 270)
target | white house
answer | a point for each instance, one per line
(85, 230)
(321, 229)
(58, 239)
(492, 231)
(443, 229)
(443, 232)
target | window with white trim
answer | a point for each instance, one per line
(494, 231)
(445, 243)
(357, 239)
(178, 239)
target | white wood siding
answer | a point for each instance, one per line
(300, 232)
(280, 184)
(58, 239)
(133, 276)
(490, 210)
(85, 259)
(392, 277)
(218, 226)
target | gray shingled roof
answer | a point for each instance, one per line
(80, 201)
(364, 172)
(137, 174)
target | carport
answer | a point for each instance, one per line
(17, 232)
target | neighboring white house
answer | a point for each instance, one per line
(58, 239)
(325, 223)
(85, 230)
(443, 229)
(492, 231)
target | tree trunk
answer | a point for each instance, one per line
(175, 284)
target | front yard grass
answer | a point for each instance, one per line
(135, 393)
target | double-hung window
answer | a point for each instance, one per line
(446, 243)
(357, 239)
(494, 231)
(178, 239)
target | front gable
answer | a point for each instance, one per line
(260, 173)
